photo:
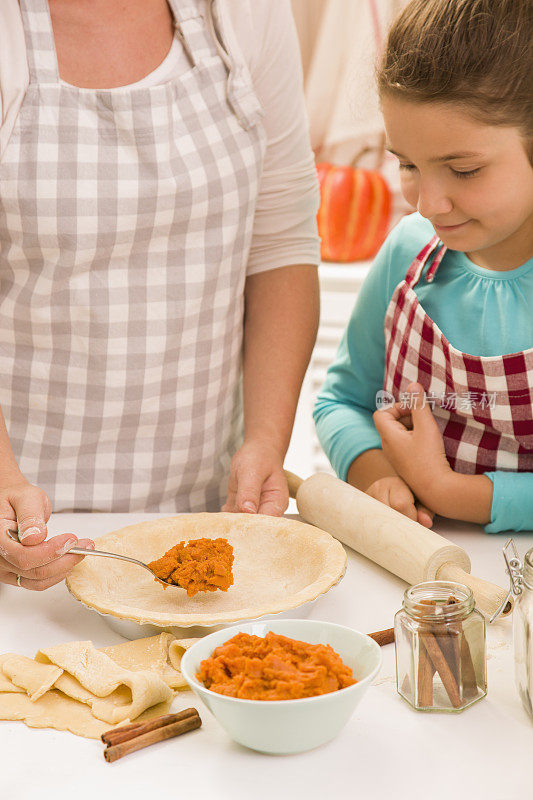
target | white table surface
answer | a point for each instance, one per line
(387, 750)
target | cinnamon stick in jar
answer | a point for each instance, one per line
(450, 681)
(440, 647)
(450, 640)
(425, 674)
(468, 672)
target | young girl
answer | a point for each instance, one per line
(442, 330)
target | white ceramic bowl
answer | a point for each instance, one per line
(288, 726)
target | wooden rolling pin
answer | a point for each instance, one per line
(388, 538)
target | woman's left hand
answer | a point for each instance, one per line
(417, 453)
(257, 483)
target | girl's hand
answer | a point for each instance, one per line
(417, 453)
(394, 492)
(257, 483)
(34, 563)
(414, 446)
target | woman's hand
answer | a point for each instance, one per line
(394, 492)
(280, 324)
(34, 563)
(257, 483)
(414, 446)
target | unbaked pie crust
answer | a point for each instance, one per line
(279, 564)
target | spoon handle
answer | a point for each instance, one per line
(81, 551)
(85, 552)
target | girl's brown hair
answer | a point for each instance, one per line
(476, 53)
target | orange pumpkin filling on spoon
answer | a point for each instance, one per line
(200, 565)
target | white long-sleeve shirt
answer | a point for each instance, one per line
(261, 34)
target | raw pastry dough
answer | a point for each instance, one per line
(125, 694)
(279, 565)
(56, 710)
(93, 689)
(34, 678)
(161, 654)
(176, 650)
(5, 684)
(52, 710)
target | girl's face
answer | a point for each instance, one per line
(472, 181)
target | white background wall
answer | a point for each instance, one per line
(339, 284)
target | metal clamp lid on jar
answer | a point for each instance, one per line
(515, 570)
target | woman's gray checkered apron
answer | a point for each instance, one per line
(125, 226)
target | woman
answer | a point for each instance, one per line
(157, 211)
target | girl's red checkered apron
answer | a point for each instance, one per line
(482, 405)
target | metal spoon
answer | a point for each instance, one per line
(103, 554)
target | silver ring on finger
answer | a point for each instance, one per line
(18, 580)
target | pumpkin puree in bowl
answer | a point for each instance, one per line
(273, 667)
(200, 565)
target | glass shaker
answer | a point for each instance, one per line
(521, 578)
(440, 647)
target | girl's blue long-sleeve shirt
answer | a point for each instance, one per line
(480, 311)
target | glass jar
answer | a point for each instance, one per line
(440, 647)
(523, 634)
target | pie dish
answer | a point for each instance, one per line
(279, 565)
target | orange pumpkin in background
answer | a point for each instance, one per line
(354, 214)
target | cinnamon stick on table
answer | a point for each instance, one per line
(383, 637)
(123, 748)
(127, 732)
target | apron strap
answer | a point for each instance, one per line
(191, 31)
(240, 91)
(201, 38)
(414, 272)
(40, 45)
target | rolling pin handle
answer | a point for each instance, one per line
(489, 597)
(293, 481)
